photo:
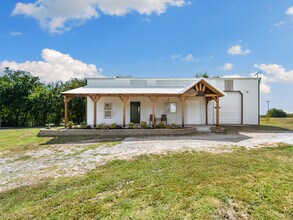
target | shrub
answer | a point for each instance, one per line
(161, 125)
(113, 126)
(83, 124)
(131, 125)
(105, 126)
(276, 113)
(174, 126)
(69, 124)
(143, 124)
(88, 127)
(99, 126)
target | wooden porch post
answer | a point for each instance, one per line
(218, 113)
(124, 100)
(95, 99)
(66, 101)
(153, 100)
(183, 109)
(207, 103)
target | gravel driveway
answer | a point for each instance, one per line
(52, 161)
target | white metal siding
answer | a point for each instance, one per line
(230, 108)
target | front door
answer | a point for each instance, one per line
(135, 112)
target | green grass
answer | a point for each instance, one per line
(27, 138)
(15, 138)
(275, 123)
(253, 183)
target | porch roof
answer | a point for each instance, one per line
(148, 90)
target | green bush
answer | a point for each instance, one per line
(69, 124)
(113, 126)
(105, 126)
(83, 124)
(161, 125)
(174, 126)
(131, 125)
(143, 124)
(276, 113)
(99, 126)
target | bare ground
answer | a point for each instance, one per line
(52, 161)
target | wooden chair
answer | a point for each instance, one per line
(164, 118)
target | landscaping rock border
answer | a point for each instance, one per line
(116, 132)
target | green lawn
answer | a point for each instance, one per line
(275, 123)
(27, 138)
(245, 183)
(16, 138)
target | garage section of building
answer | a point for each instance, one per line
(230, 108)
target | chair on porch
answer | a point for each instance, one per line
(151, 119)
(164, 118)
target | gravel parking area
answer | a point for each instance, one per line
(52, 161)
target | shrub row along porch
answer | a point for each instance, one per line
(200, 88)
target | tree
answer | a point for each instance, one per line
(25, 101)
(276, 113)
(15, 88)
(77, 105)
(202, 75)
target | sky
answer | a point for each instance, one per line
(61, 39)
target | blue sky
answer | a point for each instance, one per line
(59, 39)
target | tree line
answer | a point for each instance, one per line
(26, 101)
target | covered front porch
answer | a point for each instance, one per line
(177, 107)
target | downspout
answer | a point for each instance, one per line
(259, 80)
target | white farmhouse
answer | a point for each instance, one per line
(184, 101)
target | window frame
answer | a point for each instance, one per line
(229, 82)
(169, 103)
(107, 110)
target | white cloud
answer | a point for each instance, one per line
(227, 66)
(237, 50)
(276, 73)
(280, 23)
(289, 11)
(61, 15)
(264, 88)
(176, 56)
(189, 58)
(55, 66)
(273, 73)
(15, 33)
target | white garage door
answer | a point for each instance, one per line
(230, 108)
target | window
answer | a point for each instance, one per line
(108, 110)
(170, 107)
(229, 85)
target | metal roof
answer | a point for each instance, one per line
(154, 86)
(126, 90)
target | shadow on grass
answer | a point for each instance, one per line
(80, 139)
(257, 128)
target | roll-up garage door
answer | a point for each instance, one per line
(230, 108)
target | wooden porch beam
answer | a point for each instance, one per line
(183, 98)
(217, 112)
(124, 100)
(95, 99)
(153, 100)
(207, 105)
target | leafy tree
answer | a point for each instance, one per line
(276, 113)
(202, 75)
(16, 87)
(25, 101)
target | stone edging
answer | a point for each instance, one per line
(116, 132)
